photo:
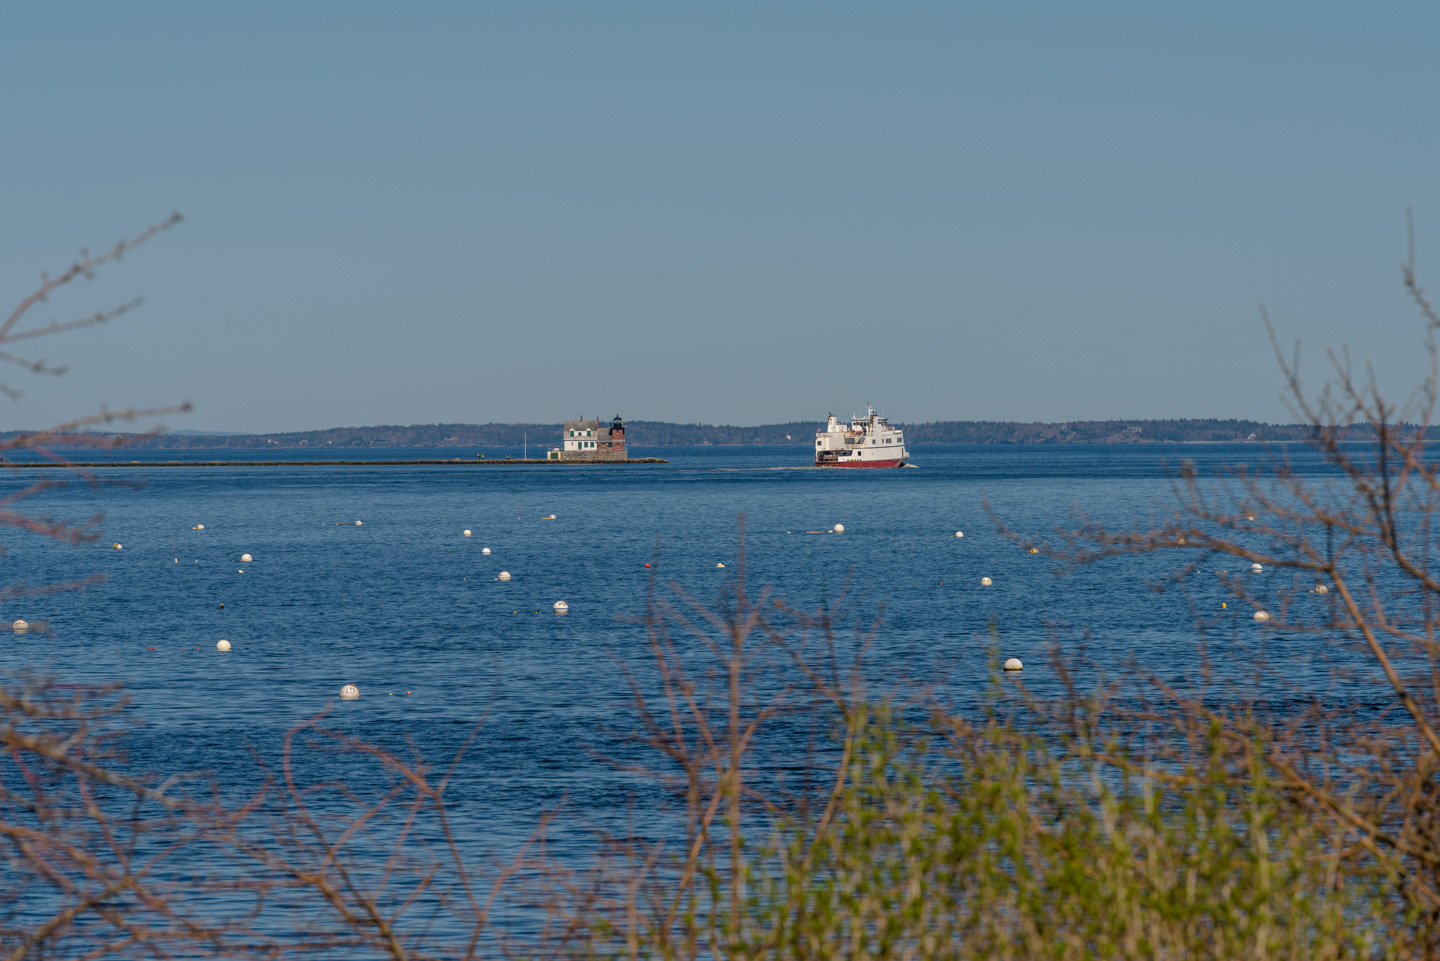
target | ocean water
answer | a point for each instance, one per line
(410, 610)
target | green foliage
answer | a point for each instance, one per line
(952, 841)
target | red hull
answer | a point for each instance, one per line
(873, 463)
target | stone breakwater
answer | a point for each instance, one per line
(454, 462)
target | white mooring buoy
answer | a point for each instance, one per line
(484, 550)
(20, 626)
(719, 565)
(118, 547)
(839, 528)
(959, 533)
(1321, 589)
(1262, 616)
(349, 692)
(504, 576)
(984, 582)
(561, 607)
(223, 645)
(358, 524)
(199, 527)
(246, 558)
(1256, 568)
(1013, 664)
(466, 532)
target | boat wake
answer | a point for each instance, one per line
(751, 470)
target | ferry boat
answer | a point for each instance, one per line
(864, 442)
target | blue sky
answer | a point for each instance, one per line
(741, 213)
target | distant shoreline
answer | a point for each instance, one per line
(648, 435)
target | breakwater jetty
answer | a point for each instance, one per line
(453, 462)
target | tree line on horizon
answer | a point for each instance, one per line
(644, 433)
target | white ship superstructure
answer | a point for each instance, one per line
(864, 442)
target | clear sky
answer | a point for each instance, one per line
(739, 213)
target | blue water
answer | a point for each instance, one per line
(408, 609)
